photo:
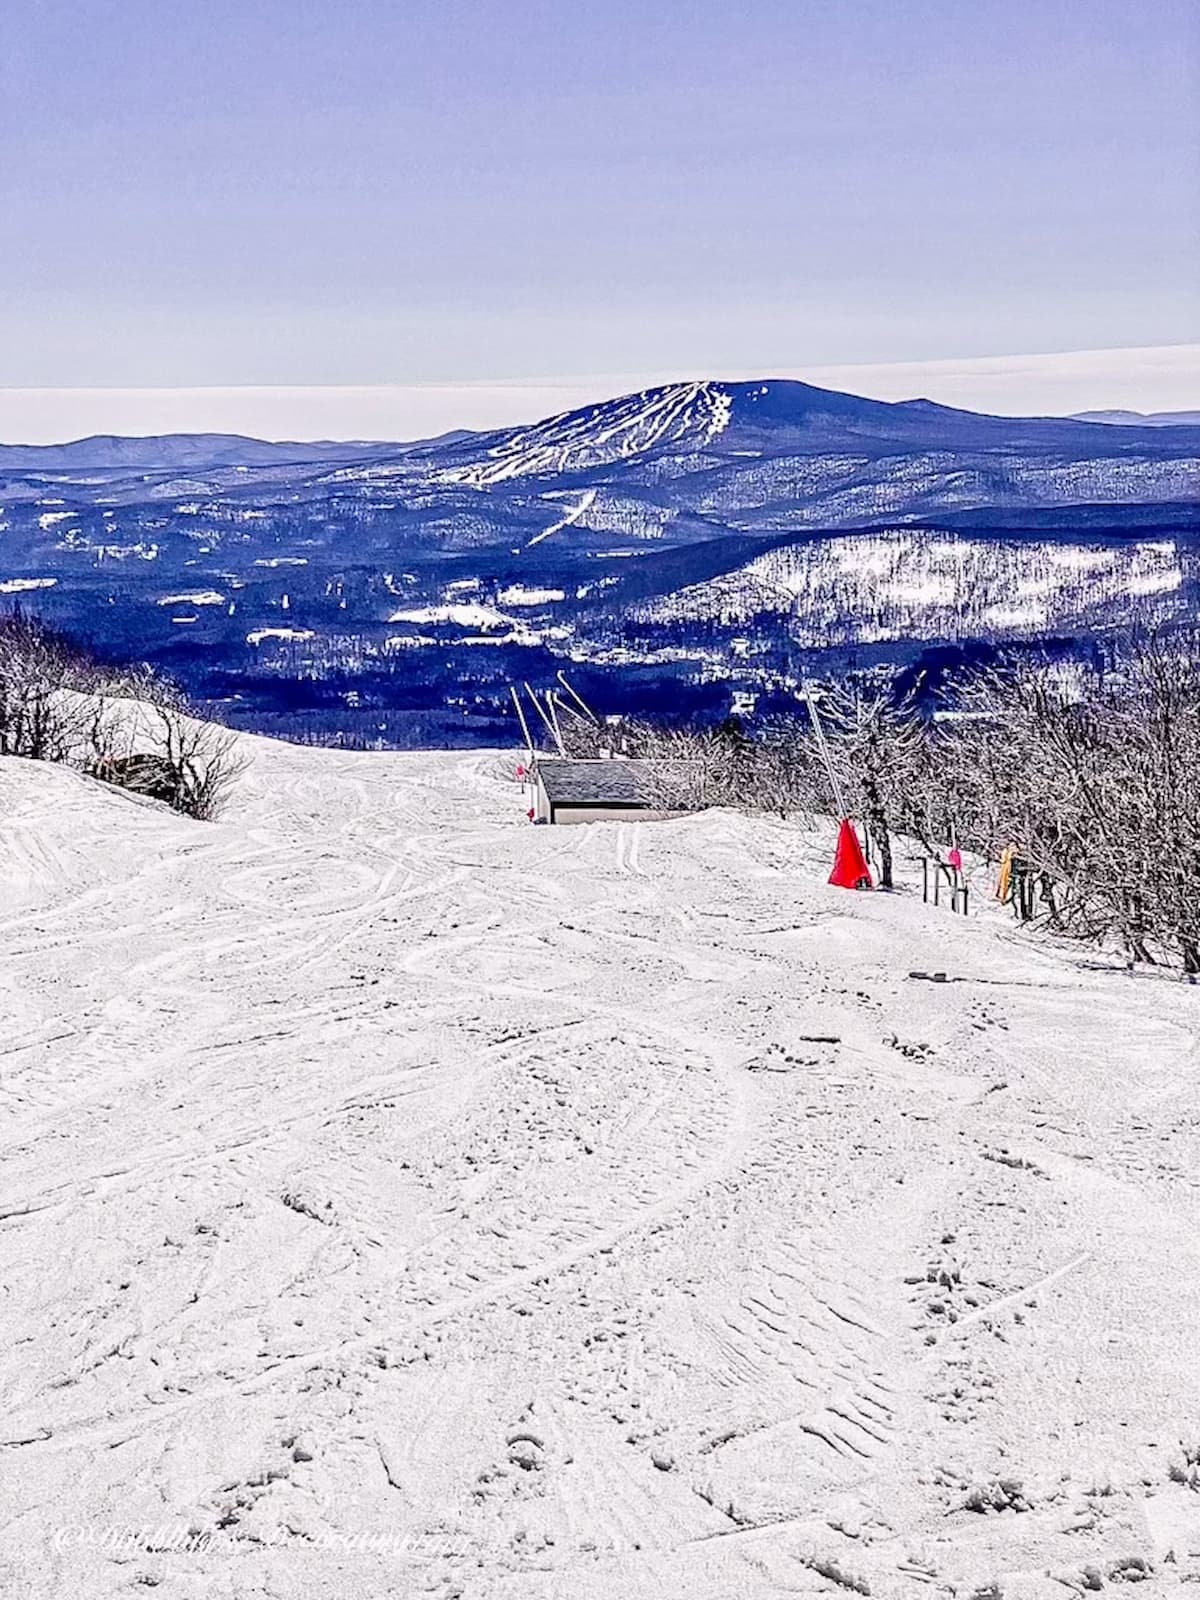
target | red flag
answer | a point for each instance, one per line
(850, 870)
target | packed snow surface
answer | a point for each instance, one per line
(401, 1200)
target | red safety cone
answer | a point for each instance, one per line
(850, 869)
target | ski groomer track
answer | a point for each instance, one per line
(396, 1199)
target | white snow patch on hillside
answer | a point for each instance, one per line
(1162, 581)
(409, 641)
(258, 635)
(398, 1199)
(123, 552)
(468, 615)
(517, 594)
(519, 634)
(201, 597)
(1030, 614)
(25, 585)
(722, 411)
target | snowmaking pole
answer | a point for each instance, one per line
(838, 797)
(552, 709)
(550, 728)
(524, 725)
(568, 710)
(850, 869)
(525, 770)
(578, 699)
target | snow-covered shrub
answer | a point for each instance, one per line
(159, 751)
(126, 726)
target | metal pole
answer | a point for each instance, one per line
(549, 725)
(560, 704)
(550, 706)
(839, 798)
(579, 700)
(524, 724)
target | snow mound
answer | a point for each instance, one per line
(400, 1199)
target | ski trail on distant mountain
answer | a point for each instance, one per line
(688, 415)
(587, 499)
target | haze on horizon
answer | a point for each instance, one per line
(1165, 378)
(452, 193)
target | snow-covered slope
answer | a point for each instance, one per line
(397, 1199)
(686, 416)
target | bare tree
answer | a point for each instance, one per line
(788, 770)
(203, 761)
(41, 677)
(874, 743)
(1088, 779)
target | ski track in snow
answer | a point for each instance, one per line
(415, 1202)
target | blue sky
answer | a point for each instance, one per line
(455, 191)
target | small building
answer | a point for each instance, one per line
(615, 790)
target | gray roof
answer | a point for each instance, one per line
(615, 782)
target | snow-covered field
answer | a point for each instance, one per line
(401, 1200)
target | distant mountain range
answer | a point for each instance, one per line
(1141, 419)
(697, 542)
(108, 451)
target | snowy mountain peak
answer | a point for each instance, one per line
(768, 417)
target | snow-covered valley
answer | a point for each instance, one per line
(397, 1199)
